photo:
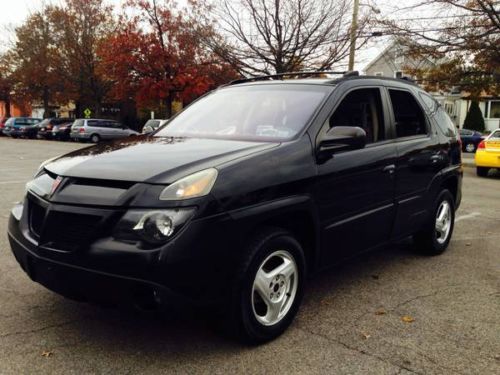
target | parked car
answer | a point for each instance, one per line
(45, 127)
(95, 130)
(62, 132)
(488, 154)
(21, 127)
(235, 206)
(470, 139)
(3, 120)
(153, 125)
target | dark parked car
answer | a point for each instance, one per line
(235, 206)
(62, 132)
(470, 139)
(21, 127)
(46, 126)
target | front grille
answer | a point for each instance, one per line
(70, 231)
(36, 214)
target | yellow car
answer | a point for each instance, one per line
(488, 154)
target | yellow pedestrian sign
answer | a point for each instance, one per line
(87, 112)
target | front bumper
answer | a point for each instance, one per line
(191, 268)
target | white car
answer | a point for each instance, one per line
(153, 125)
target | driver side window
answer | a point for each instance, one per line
(361, 108)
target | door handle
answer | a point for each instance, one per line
(389, 168)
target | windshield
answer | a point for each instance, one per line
(260, 113)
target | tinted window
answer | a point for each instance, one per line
(115, 125)
(97, 124)
(408, 115)
(361, 108)
(270, 112)
(445, 123)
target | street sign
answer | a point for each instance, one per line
(87, 112)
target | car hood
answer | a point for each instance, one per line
(151, 159)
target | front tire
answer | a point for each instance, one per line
(269, 287)
(482, 171)
(435, 237)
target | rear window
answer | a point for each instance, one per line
(495, 135)
(409, 117)
(78, 123)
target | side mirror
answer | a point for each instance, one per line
(341, 138)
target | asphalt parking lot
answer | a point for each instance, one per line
(389, 312)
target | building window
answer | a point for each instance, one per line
(398, 74)
(379, 74)
(494, 109)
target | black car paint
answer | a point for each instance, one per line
(351, 202)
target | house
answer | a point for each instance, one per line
(394, 62)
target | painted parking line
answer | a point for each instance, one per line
(468, 216)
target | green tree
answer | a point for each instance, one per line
(474, 119)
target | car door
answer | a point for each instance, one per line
(419, 158)
(355, 189)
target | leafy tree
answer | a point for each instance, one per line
(6, 82)
(474, 119)
(465, 46)
(275, 36)
(35, 56)
(79, 26)
(154, 57)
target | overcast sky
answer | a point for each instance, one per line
(13, 12)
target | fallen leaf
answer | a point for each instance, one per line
(380, 311)
(365, 335)
(47, 354)
(407, 319)
(468, 244)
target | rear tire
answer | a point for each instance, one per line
(482, 171)
(434, 238)
(268, 287)
(94, 138)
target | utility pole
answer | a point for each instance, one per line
(354, 31)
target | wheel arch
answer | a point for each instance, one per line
(293, 214)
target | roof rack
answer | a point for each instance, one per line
(281, 76)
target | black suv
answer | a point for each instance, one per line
(246, 193)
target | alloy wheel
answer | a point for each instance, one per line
(443, 222)
(274, 287)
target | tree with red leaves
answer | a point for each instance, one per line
(155, 56)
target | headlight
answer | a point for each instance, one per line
(152, 226)
(40, 168)
(196, 185)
